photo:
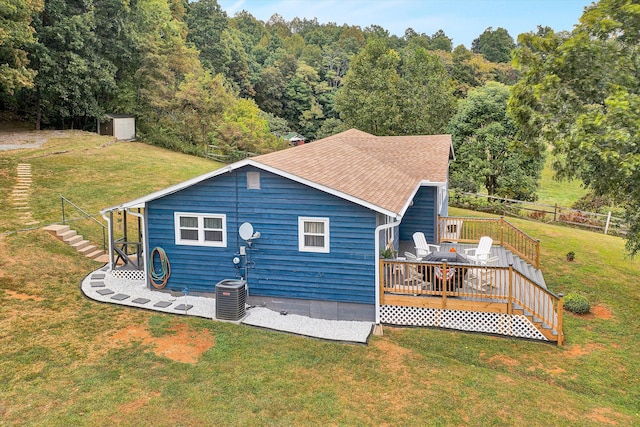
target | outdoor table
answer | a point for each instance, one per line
(454, 276)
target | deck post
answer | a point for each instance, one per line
(510, 295)
(538, 254)
(502, 231)
(560, 308)
(443, 288)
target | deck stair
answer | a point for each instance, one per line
(76, 241)
(546, 330)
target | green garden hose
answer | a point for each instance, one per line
(159, 278)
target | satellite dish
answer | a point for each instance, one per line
(246, 231)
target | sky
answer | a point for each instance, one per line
(461, 20)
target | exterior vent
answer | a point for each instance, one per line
(231, 295)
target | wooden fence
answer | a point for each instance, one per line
(603, 223)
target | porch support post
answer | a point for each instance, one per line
(378, 266)
(510, 296)
(109, 220)
(444, 284)
(143, 240)
(560, 307)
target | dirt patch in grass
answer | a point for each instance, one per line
(21, 296)
(186, 345)
(503, 360)
(393, 355)
(548, 369)
(603, 416)
(600, 312)
(135, 405)
(581, 350)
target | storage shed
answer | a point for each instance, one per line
(122, 126)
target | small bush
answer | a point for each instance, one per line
(576, 303)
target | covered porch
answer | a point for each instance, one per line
(508, 296)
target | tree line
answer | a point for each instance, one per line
(195, 77)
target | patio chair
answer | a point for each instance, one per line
(481, 279)
(414, 275)
(422, 247)
(481, 254)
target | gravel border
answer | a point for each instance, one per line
(262, 317)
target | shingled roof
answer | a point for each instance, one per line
(381, 170)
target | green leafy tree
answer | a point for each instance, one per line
(580, 92)
(494, 45)
(368, 99)
(391, 93)
(16, 36)
(486, 155)
(206, 22)
(440, 41)
(425, 94)
(270, 89)
(73, 78)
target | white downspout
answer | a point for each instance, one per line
(377, 263)
(110, 237)
(144, 240)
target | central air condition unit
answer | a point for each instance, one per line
(231, 295)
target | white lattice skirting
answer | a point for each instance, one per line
(494, 323)
(128, 274)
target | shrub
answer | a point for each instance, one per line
(576, 303)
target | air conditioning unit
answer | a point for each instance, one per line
(231, 295)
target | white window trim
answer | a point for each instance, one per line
(301, 245)
(201, 229)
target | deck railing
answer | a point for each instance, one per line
(470, 230)
(475, 288)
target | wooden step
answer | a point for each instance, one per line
(549, 334)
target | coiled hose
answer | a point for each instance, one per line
(159, 278)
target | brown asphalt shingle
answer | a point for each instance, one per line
(381, 170)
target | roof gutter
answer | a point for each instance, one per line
(377, 264)
(423, 183)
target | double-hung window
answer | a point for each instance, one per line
(313, 234)
(198, 229)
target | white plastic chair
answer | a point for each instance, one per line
(481, 254)
(422, 247)
(414, 275)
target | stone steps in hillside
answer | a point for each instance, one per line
(71, 237)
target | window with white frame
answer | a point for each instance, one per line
(198, 229)
(313, 234)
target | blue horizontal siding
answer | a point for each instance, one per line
(346, 274)
(421, 216)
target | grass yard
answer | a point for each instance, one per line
(562, 193)
(66, 360)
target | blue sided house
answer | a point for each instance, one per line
(304, 226)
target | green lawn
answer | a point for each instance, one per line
(563, 193)
(66, 360)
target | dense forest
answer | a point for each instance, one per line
(193, 75)
(197, 78)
